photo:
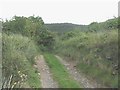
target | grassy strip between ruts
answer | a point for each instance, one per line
(59, 72)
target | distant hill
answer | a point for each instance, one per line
(94, 26)
(64, 27)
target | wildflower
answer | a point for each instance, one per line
(18, 71)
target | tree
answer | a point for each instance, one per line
(94, 26)
(15, 25)
(32, 27)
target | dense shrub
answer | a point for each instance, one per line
(32, 27)
(18, 56)
(97, 54)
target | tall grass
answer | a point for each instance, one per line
(18, 58)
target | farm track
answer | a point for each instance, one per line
(45, 75)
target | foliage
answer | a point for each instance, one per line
(92, 27)
(64, 27)
(93, 50)
(15, 25)
(94, 46)
(17, 60)
(32, 27)
(45, 39)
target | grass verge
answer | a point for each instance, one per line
(102, 76)
(18, 59)
(33, 77)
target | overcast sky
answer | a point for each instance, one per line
(60, 11)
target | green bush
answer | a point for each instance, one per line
(97, 54)
(18, 56)
(32, 27)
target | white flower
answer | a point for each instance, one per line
(18, 71)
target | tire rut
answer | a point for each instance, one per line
(77, 76)
(45, 75)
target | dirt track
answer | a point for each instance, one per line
(47, 80)
(45, 75)
(81, 79)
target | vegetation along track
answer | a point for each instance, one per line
(56, 72)
(77, 76)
